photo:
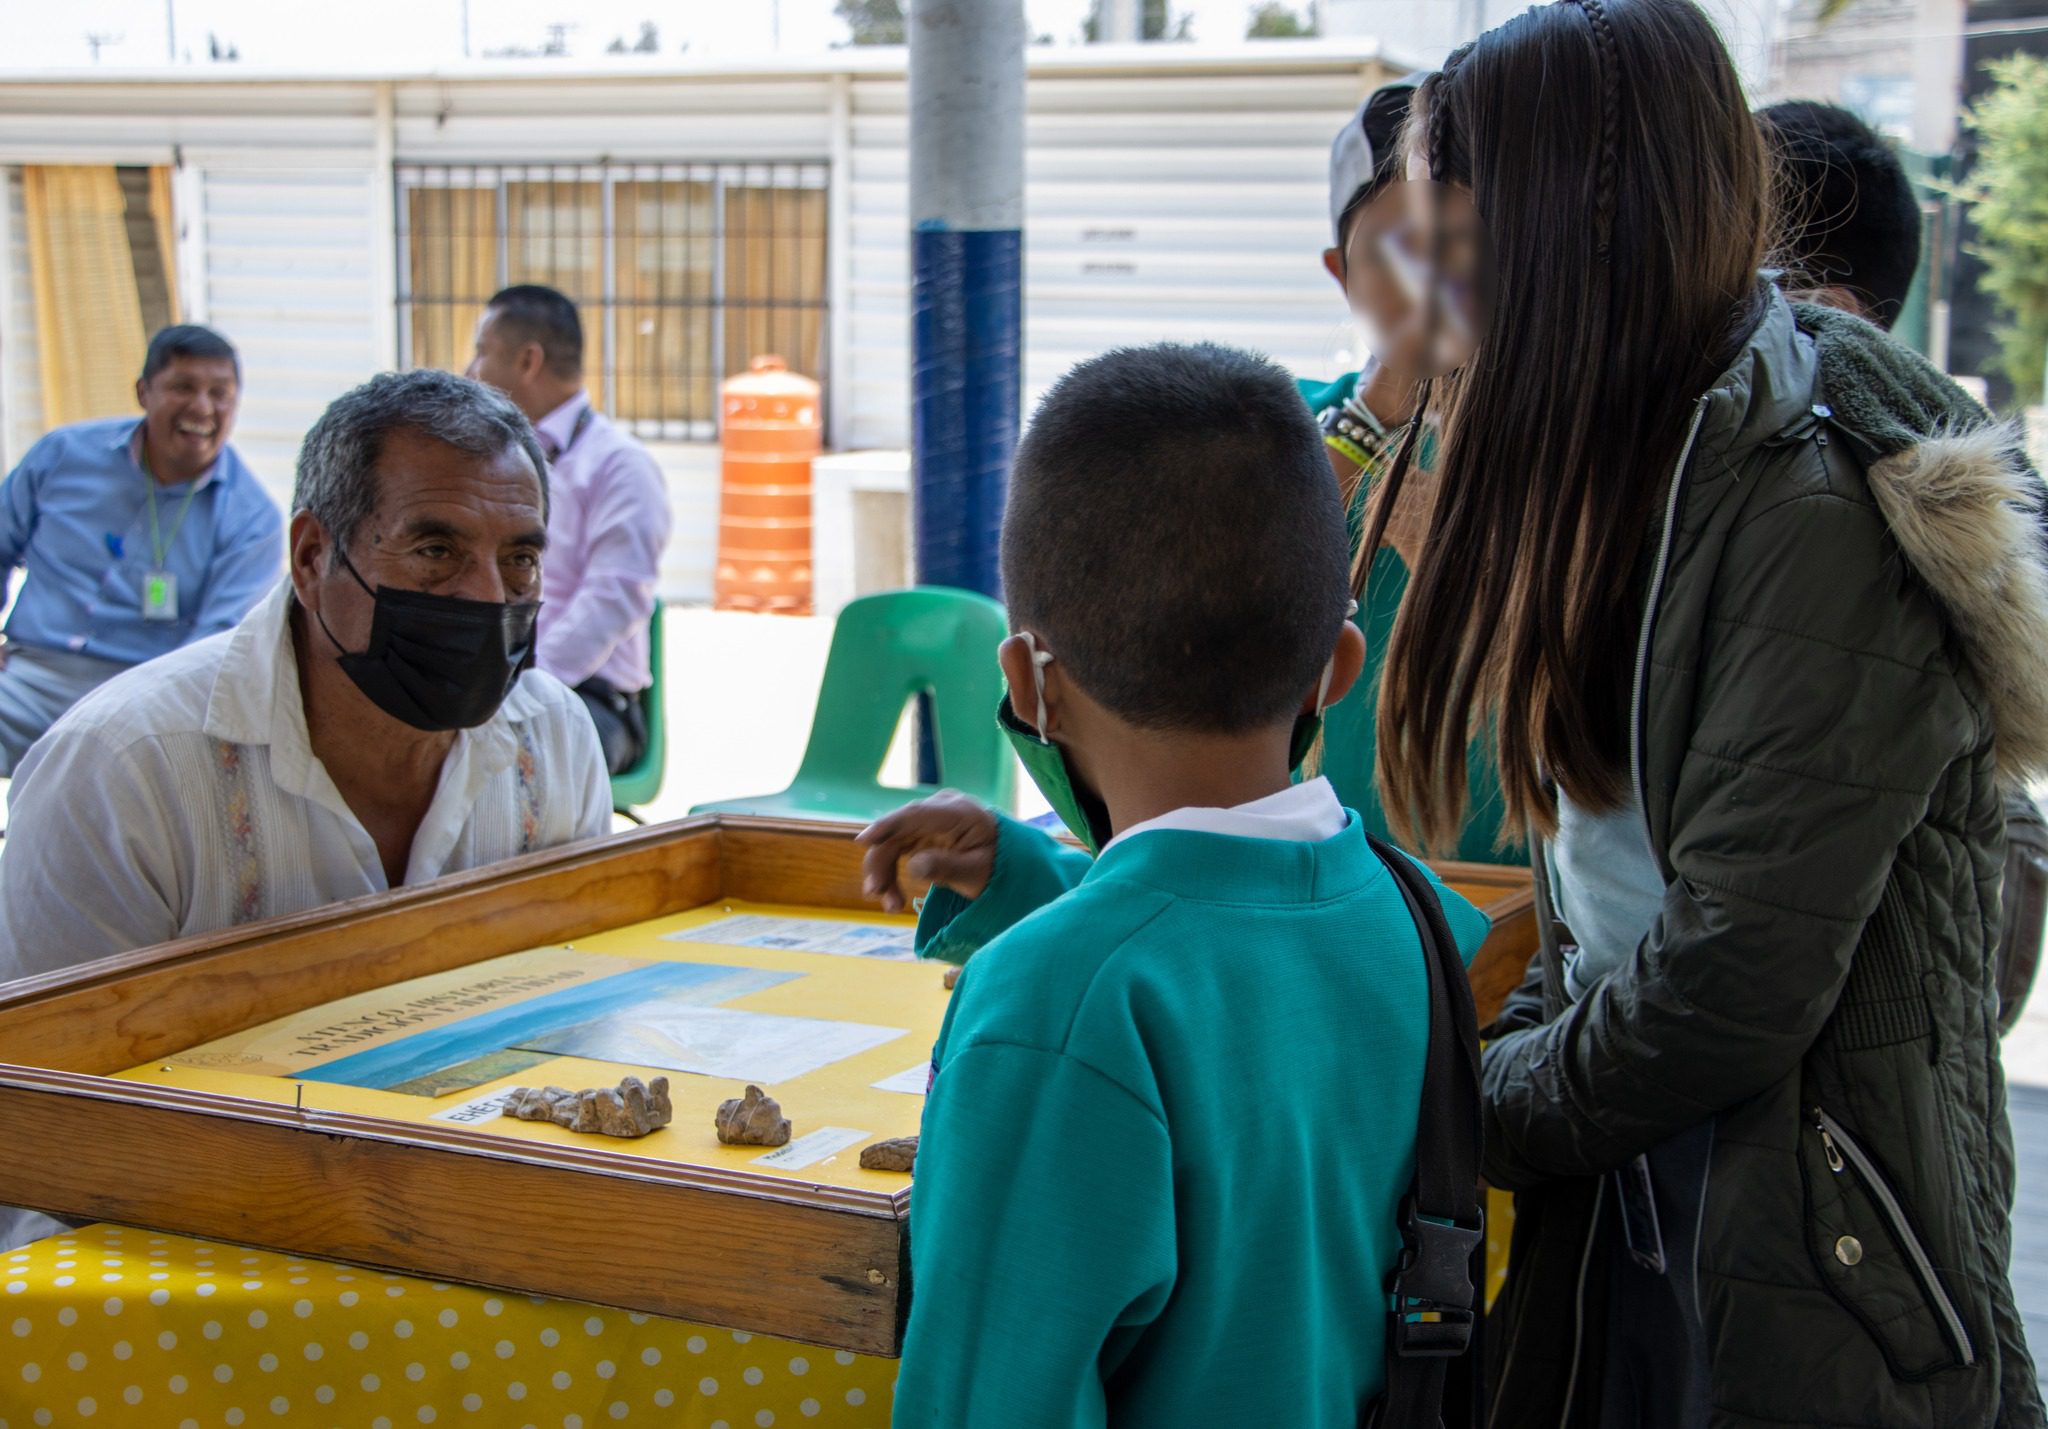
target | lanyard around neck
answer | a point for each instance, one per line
(158, 546)
(582, 421)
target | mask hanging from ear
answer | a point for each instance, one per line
(1308, 728)
(1080, 808)
(437, 662)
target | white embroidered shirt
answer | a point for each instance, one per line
(183, 796)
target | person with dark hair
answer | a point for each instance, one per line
(1751, 605)
(136, 535)
(1174, 1107)
(1848, 223)
(1848, 238)
(1362, 416)
(372, 723)
(610, 520)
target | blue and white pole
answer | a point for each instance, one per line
(966, 244)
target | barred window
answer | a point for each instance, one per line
(684, 273)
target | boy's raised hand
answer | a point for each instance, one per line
(948, 839)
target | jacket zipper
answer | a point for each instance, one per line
(1635, 704)
(1837, 1144)
(1635, 764)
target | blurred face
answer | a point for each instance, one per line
(188, 413)
(1375, 296)
(1414, 275)
(447, 522)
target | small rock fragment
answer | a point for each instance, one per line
(631, 1109)
(896, 1154)
(755, 1119)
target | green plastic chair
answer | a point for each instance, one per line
(641, 781)
(886, 650)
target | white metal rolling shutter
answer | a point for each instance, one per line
(1158, 207)
(288, 282)
(673, 119)
(21, 384)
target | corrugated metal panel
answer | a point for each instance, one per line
(141, 124)
(696, 120)
(21, 387)
(1157, 207)
(288, 282)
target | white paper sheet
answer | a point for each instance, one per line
(716, 1041)
(915, 1080)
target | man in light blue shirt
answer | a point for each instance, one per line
(138, 536)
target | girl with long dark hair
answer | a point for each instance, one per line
(1750, 605)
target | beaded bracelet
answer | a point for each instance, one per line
(1355, 408)
(1350, 450)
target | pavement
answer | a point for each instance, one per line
(2026, 1071)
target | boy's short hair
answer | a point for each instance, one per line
(187, 340)
(1175, 537)
(534, 312)
(1848, 217)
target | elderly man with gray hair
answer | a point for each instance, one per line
(375, 721)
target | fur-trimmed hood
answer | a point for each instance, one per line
(1966, 512)
(1965, 507)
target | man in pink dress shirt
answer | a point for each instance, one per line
(609, 519)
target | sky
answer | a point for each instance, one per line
(408, 34)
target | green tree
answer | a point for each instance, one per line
(873, 22)
(1273, 20)
(2009, 201)
(1155, 22)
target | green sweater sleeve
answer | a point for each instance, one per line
(1041, 1242)
(1032, 868)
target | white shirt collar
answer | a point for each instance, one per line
(1301, 813)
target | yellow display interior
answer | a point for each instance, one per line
(906, 995)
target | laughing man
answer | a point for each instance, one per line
(138, 536)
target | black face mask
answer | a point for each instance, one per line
(436, 661)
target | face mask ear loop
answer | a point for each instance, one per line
(1039, 660)
(350, 567)
(1329, 670)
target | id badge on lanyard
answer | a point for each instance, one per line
(159, 595)
(160, 582)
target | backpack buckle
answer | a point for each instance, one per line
(1431, 1286)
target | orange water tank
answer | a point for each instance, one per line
(768, 428)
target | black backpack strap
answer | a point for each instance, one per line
(1435, 1303)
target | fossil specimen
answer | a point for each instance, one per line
(895, 1154)
(755, 1119)
(632, 1108)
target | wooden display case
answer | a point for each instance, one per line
(700, 1235)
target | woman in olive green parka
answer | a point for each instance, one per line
(1754, 605)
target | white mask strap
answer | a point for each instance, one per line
(1330, 670)
(1039, 660)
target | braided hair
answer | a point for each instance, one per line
(1548, 443)
(1610, 120)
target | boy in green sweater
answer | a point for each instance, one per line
(1173, 1107)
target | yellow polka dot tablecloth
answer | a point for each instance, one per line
(116, 1328)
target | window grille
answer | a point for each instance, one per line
(684, 273)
